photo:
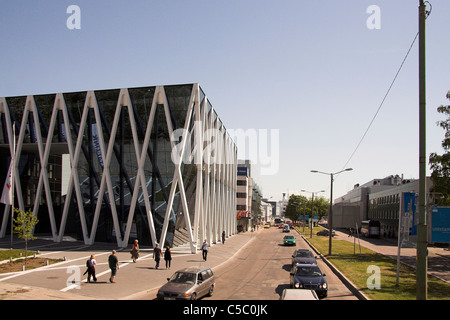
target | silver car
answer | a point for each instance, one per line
(188, 284)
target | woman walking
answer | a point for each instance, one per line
(168, 257)
(91, 269)
(135, 251)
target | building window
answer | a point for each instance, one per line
(241, 195)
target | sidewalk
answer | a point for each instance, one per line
(133, 280)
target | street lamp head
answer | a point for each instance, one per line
(314, 171)
(349, 169)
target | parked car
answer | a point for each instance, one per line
(188, 284)
(297, 294)
(309, 276)
(289, 240)
(303, 256)
(325, 232)
(286, 228)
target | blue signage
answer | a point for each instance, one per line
(409, 211)
(440, 224)
(242, 171)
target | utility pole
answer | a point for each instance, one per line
(422, 236)
(330, 217)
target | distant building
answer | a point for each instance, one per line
(266, 208)
(275, 207)
(244, 194)
(97, 165)
(378, 199)
(283, 204)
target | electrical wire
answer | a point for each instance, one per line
(382, 102)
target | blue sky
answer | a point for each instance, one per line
(310, 69)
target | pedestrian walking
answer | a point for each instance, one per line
(350, 234)
(168, 257)
(90, 264)
(223, 237)
(135, 251)
(157, 255)
(204, 249)
(113, 262)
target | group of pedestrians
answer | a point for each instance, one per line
(157, 252)
(113, 261)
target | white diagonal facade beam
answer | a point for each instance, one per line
(215, 175)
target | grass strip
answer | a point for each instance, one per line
(355, 265)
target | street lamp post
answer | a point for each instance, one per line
(312, 206)
(330, 215)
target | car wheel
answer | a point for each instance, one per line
(194, 296)
(211, 291)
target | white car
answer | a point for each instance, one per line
(298, 294)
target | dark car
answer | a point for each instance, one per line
(326, 233)
(309, 276)
(303, 256)
(188, 284)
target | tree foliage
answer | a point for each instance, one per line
(300, 205)
(440, 164)
(24, 225)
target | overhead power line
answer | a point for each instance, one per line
(382, 102)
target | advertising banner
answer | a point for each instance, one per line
(244, 214)
(407, 225)
(440, 224)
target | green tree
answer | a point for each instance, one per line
(24, 225)
(440, 164)
(301, 205)
(293, 207)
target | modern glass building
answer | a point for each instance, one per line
(103, 166)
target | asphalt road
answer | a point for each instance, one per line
(260, 271)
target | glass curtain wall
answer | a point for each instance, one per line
(158, 170)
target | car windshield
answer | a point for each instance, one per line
(304, 254)
(309, 271)
(289, 237)
(183, 277)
